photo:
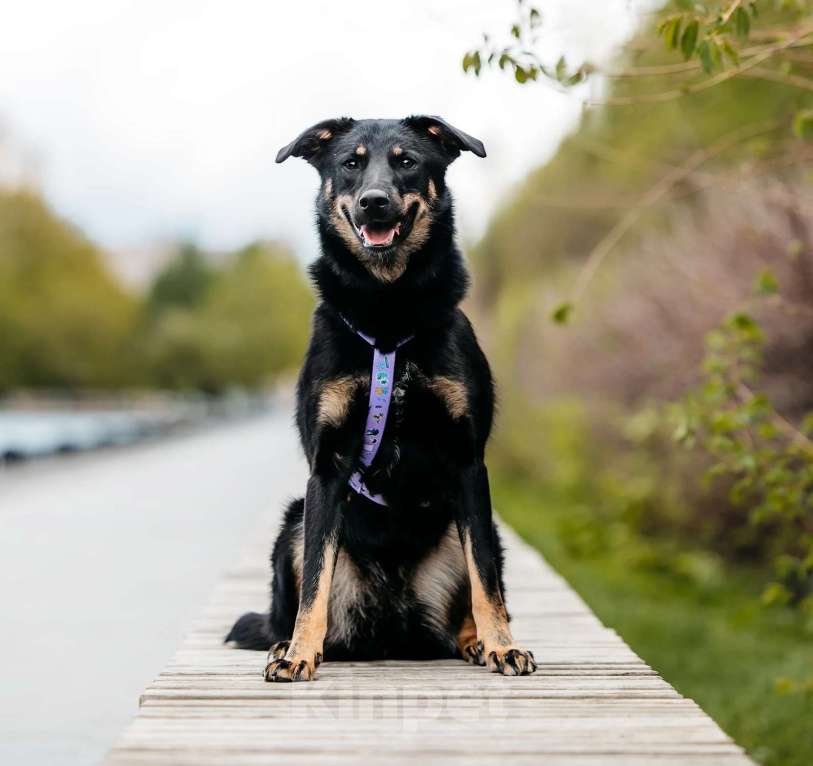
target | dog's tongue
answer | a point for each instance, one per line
(378, 236)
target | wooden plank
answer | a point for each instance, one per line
(593, 702)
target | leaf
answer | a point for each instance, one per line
(515, 32)
(535, 18)
(672, 33)
(803, 124)
(716, 54)
(683, 431)
(576, 77)
(766, 283)
(689, 39)
(784, 685)
(561, 68)
(731, 52)
(520, 75)
(742, 321)
(776, 593)
(742, 22)
(561, 314)
(669, 29)
(706, 60)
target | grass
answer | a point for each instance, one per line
(712, 640)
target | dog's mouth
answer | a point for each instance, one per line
(380, 236)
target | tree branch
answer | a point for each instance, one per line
(782, 424)
(795, 80)
(659, 190)
(731, 8)
(724, 76)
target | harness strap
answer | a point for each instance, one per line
(381, 380)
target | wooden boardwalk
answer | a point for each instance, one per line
(592, 702)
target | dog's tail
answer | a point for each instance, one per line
(251, 631)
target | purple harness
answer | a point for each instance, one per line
(381, 378)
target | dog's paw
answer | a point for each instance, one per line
(510, 661)
(473, 653)
(278, 650)
(292, 668)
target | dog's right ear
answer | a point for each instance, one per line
(311, 142)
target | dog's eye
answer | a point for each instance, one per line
(351, 164)
(407, 163)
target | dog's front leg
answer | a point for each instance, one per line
(298, 659)
(495, 645)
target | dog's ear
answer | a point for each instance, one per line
(312, 141)
(452, 140)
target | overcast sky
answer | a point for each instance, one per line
(151, 121)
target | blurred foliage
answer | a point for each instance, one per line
(204, 324)
(655, 220)
(183, 283)
(768, 462)
(696, 621)
(64, 320)
(656, 448)
(711, 37)
(235, 327)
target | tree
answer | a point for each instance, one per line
(249, 326)
(183, 283)
(64, 320)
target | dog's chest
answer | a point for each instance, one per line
(418, 394)
(414, 438)
(418, 438)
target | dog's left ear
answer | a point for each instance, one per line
(452, 139)
(310, 143)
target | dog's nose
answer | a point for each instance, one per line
(374, 201)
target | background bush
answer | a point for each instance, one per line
(206, 323)
(682, 201)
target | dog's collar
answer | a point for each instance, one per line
(381, 380)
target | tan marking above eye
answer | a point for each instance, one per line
(397, 151)
(324, 135)
(361, 150)
(434, 130)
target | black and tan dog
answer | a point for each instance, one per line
(419, 577)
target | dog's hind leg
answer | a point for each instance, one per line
(263, 631)
(471, 650)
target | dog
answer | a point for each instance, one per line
(395, 556)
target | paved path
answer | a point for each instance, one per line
(105, 560)
(593, 702)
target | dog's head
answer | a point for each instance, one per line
(383, 183)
